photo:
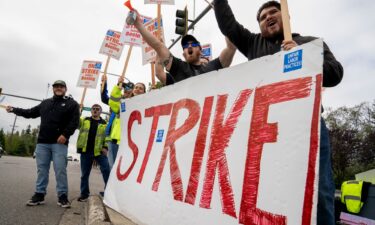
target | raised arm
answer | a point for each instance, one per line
(160, 48)
(237, 34)
(226, 56)
(159, 71)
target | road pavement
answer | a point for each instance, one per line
(17, 185)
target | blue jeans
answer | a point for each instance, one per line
(86, 164)
(112, 153)
(326, 191)
(58, 154)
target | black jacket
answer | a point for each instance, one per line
(253, 45)
(58, 115)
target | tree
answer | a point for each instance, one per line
(2, 138)
(352, 134)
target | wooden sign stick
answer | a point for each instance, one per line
(82, 99)
(127, 61)
(104, 78)
(158, 34)
(286, 20)
(3, 106)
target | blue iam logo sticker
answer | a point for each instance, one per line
(159, 137)
(110, 33)
(98, 65)
(123, 107)
(293, 61)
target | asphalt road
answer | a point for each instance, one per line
(17, 185)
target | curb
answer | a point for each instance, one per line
(92, 212)
(96, 214)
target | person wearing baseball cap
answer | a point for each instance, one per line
(59, 119)
(192, 66)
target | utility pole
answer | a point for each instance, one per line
(11, 135)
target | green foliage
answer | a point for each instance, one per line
(352, 134)
(158, 85)
(21, 144)
(2, 138)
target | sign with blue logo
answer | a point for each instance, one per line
(110, 33)
(98, 65)
(159, 137)
(123, 107)
(293, 61)
(206, 51)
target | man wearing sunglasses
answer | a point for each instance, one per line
(269, 41)
(92, 146)
(59, 119)
(192, 66)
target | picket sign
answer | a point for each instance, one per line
(234, 146)
(112, 46)
(148, 53)
(207, 51)
(130, 35)
(89, 76)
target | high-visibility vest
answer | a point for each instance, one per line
(84, 128)
(351, 192)
(114, 103)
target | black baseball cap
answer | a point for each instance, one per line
(59, 82)
(188, 38)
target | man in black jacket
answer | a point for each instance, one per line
(268, 42)
(59, 119)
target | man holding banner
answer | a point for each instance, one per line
(59, 119)
(178, 69)
(268, 42)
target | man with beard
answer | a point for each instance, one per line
(59, 119)
(178, 69)
(268, 42)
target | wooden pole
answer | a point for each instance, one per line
(286, 20)
(104, 78)
(126, 61)
(152, 75)
(158, 34)
(3, 106)
(82, 99)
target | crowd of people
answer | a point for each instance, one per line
(99, 139)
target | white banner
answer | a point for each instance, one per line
(148, 53)
(207, 51)
(89, 75)
(234, 146)
(130, 35)
(111, 45)
(163, 2)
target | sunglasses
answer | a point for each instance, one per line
(191, 44)
(95, 109)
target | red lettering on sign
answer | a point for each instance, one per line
(134, 116)
(172, 136)
(155, 112)
(309, 188)
(262, 132)
(200, 145)
(220, 136)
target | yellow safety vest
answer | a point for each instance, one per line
(114, 103)
(351, 192)
(84, 127)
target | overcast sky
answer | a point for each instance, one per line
(45, 40)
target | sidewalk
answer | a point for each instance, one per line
(92, 212)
